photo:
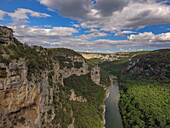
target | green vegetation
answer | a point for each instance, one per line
(93, 62)
(145, 102)
(84, 86)
(104, 75)
(64, 62)
(64, 51)
(80, 111)
(115, 67)
(21, 120)
(78, 64)
(104, 78)
(36, 58)
(3, 72)
(40, 60)
(152, 64)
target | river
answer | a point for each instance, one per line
(112, 114)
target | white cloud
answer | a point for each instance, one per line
(47, 26)
(37, 36)
(21, 14)
(92, 31)
(142, 36)
(93, 35)
(113, 15)
(119, 35)
(76, 25)
(18, 23)
(163, 37)
(126, 32)
(26, 31)
(150, 39)
(63, 37)
(149, 36)
(2, 13)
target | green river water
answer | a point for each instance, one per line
(112, 114)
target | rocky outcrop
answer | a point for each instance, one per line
(152, 64)
(106, 57)
(32, 87)
(74, 97)
(6, 35)
(19, 99)
(67, 72)
(95, 74)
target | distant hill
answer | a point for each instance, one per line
(155, 63)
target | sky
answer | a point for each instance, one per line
(104, 26)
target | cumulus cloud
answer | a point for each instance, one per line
(37, 31)
(2, 13)
(93, 35)
(76, 25)
(63, 37)
(22, 13)
(113, 15)
(69, 8)
(106, 7)
(122, 33)
(149, 36)
(150, 39)
(39, 35)
(119, 35)
(92, 31)
(127, 32)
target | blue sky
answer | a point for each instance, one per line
(91, 25)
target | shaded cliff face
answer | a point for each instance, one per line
(156, 63)
(32, 88)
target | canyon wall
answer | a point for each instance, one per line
(32, 83)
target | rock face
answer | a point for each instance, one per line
(106, 57)
(31, 83)
(74, 97)
(6, 35)
(152, 64)
(19, 99)
(95, 74)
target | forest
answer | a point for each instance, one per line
(145, 95)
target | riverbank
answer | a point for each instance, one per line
(107, 92)
(112, 113)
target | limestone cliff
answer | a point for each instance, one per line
(32, 88)
(155, 63)
(106, 57)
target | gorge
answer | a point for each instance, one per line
(60, 88)
(42, 87)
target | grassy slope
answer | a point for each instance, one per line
(88, 114)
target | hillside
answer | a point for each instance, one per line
(144, 83)
(152, 64)
(106, 57)
(48, 88)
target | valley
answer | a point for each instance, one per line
(61, 88)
